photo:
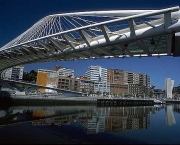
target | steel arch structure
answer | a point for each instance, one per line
(96, 34)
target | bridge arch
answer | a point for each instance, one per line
(96, 34)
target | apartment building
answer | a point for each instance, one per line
(120, 82)
(86, 85)
(137, 89)
(99, 76)
(13, 73)
(64, 71)
(116, 78)
(46, 78)
(69, 83)
(102, 87)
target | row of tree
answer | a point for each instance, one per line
(107, 93)
(30, 76)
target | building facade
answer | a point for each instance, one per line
(169, 84)
(118, 89)
(97, 74)
(47, 78)
(69, 83)
(116, 78)
(137, 90)
(13, 73)
(125, 82)
(103, 87)
(86, 85)
(136, 78)
(65, 72)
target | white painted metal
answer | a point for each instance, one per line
(80, 35)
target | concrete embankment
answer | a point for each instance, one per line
(54, 101)
(80, 100)
(124, 102)
(172, 101)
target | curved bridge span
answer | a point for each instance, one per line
(96, 34)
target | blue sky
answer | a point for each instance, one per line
(18, 15)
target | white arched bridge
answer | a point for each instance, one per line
(96, 34)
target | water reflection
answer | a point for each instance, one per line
(44, 115)
(170, 120)
(81, 124)
(119, 119)
(93, 119)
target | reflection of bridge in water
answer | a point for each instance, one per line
(96, 34)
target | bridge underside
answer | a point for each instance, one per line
(98, 34)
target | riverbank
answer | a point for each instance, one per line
(99, 101)
(20, 100)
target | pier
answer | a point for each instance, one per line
(124, 102)
(172, 101)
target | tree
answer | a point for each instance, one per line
(91, 92)
(83, 90)
(98, 93)
(31, 76)
(150, 94)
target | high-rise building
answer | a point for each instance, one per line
(97, 73)
(122, 82)
(13, 73)
(136, 78)
(116, 79)
(65, 72)
(99, 76)
(102, 87)
(115, 76)
(168, 87)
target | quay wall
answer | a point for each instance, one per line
(80, 100)
(124, 102)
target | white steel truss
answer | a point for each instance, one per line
(96, 34)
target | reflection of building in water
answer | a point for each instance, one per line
(64, 119)
(176, 108)
(128, 118)
(97, 122)
(43, 113)
(119, 119)
(170, 120)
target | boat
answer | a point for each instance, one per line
(156, 101)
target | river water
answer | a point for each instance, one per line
(90, 124)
